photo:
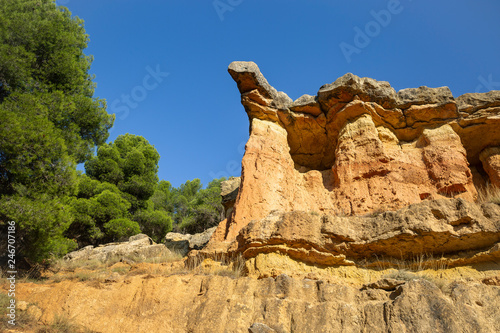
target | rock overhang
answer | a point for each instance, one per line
(406, 112)
(360, 170)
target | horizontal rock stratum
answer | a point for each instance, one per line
(318, 173)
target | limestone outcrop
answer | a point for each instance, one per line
(183, 243)
(229, 192)
(139, 246)
(318, 172)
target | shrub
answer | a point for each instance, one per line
(118, 229)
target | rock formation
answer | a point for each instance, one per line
(318, 172)
(183, 243)
(139, 246)
(229, 192)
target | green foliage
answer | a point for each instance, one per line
(110, 206)
(131, 163)
(194, 209)
(49, 121)
(155, 223)
(41, 223)
(206, 210)
(92, 213)
(117, 186)
(33, 152)
(161, 198)
(121, 228)
(41, 53)
(84, 228)
(87, 187)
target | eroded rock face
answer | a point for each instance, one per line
(187, 303)
(491, 163)
(432, 227)
(358, 147)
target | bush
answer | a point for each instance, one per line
(155, 224)
(40, 225)
(120, 229)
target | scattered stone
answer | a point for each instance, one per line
(22, 305)
(492, 281)
(260, 328)
(178, 242)
(183, 243)
(113, 277)
(35, 312)
(384, 284)
(198, 241)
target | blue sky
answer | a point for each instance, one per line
(162, 65)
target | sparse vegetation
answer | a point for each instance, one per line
(121, 270)
(64, 324)
(416, 264)
(168, 264)
(419, 267)
(221, 264)
(487, 194)
(23, 319)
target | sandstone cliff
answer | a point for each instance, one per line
(318, 173)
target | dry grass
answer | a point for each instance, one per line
(95, 271)
(424, 266)
(23, 319)
(487, 194)
(64, 324)
(217, 264)
(59, 265)
(165, 258)
(26, 322)
(417, 263)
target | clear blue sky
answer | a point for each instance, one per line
(193, 115)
